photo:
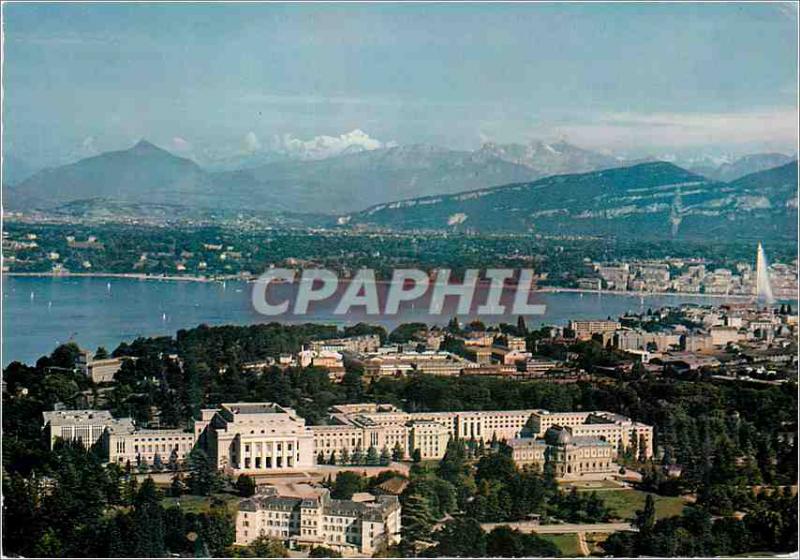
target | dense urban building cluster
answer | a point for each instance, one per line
(686, 276)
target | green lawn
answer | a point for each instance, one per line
(199, 504)
(567, 543)
(624, 503)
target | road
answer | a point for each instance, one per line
(560, 528)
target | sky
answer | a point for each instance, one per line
(218, 79)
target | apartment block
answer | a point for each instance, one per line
(585, 330)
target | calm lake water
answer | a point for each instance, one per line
(40, 313)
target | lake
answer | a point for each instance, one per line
(41, 312)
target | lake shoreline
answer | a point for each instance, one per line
(236, 278)
(125, 275)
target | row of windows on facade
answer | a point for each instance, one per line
(272, 431)
(81, 431)
(278, 447)
(267, 464)
(334, 538)
(354, 443)
(155, 448)
(286, 515)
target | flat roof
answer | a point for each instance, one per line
(254, 408)
(68, 417)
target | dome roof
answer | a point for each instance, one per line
(557, 435)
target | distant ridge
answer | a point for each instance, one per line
(655, 200)
(743, 166)
(428, 187)
(146, 173)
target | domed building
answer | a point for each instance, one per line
(571, 456)
(558, 435)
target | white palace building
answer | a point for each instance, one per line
(260, 438)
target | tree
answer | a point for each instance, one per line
(646, 518)
(353, 385)
(496, 466)
(324, 552)
(217, 530)
(130, 490)
(148, 518)
(177, 486)
(48, 545)
(453, 465)
(347, 483)
(522, 328)
(158, 464)
(621, 544)
(460, 537)
(245, 485)
(65, 356)
(417, 521)
(204, 478)
(173, 460)
(320, 458)
(101, 353)
(386, 457)
(332, 458)
(266, 547)
(506, 542)
(416, 456)
(398, 453)
(357, 458)
(453, 326)
(175, 530)
(372, 459)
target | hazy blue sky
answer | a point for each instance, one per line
(628, 78)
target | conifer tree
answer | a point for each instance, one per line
(357, 458)
(372, 459)
(417, 521)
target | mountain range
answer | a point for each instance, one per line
(745, 165)
(437, 187)
(655, 200)
(349, 181)
(546, 159)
